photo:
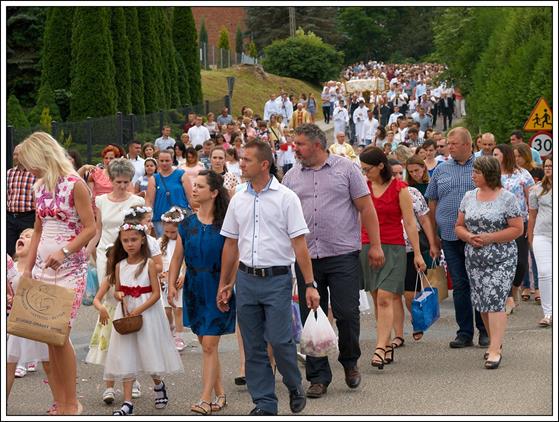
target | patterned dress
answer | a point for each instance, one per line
(490, 268)
(61, 224)
(202, 253)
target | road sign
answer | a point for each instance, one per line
(540, 117)
(541, 142)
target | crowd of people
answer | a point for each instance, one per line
(184, 232)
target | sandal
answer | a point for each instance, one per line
(417, 335)
(218, 403)
(396, 345)
(200, 409)
(525, 295)
(52, 409)
(127, 409)
(389, 358)
(545, 321)
(161, 398)
(378, 363)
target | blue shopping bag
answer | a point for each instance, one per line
(425, 308)
(296, 324)
(91, 287)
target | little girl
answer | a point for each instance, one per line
(149, 350)
(19, 349)
(105, 303)
(141, 186)
(142, 215)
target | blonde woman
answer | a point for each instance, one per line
(64, 224)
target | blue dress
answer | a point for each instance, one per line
(202, 254)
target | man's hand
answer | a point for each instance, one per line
(312, 297)
(223, 296)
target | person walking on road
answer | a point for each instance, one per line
(334, 195)
(265, 240)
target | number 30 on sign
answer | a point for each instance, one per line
(541, 142)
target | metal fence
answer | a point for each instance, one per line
(90, 136)
(212, 57)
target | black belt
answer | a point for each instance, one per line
(20, 214)
(264, 272)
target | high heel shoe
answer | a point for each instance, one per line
(389, 355)
(376, 363)
(486, 354)
(493, 364)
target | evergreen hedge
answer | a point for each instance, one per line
(136, 65)
(15, 114)
(121, 58)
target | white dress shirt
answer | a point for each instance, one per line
(139, 169)
(271, 107)
(264, 224)
(198, 134)
(369, 128)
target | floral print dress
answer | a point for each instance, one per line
(490, 268)
(61, 224)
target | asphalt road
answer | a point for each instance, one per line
(427, 377)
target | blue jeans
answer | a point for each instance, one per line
(464, 313)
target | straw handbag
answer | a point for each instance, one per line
(127, 324)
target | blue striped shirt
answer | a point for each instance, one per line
(448, 185)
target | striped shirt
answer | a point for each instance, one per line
(327, 196)
(448, 185)
(20, 190)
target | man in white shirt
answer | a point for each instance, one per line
(165, 141)
(359, 117)
(271, 107)
(369, 128)
(442, 150)
(198, 133)
(394, 116)
(265, 243)
(134, 150)
(285, 107)
(487, 143)
(341, 119)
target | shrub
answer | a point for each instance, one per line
(16, 117)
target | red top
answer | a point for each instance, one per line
(389, 214)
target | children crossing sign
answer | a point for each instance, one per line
(540, 117)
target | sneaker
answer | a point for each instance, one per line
(136, 392)
(109, 395)
(32, 367)
(179, 344)
(20, 372)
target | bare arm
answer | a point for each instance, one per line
(103, 313)
(406, 207)
(425, 222)
(34, 244)
(432, 212)
(150, 193)
(370, 220)
(299, 245)
(174, 269)
(187, 186)
(229, 261)
(90, 249)
(532, 215)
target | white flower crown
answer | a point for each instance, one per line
(133, 211)
(128, 226)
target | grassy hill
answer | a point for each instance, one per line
(253, 87)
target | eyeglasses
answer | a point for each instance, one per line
(549, 166)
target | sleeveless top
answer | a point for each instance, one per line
(168, 192)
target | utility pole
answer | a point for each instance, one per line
(291, 21)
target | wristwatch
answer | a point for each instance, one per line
(66, 252)
(311, 284)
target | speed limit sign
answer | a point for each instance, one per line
(541, 142)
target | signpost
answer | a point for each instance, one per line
(540, 118)
(541, 142)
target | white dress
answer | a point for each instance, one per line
(152, 349)
(101, 337)
(22, 350)
(166, 264)
(112, 217)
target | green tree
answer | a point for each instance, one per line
(304, 56)
(203, 32)
(46, 120)
(57, 42)
(121, 58)
(136, 65)
(151, 60)
(24, 40)
(223, 41)
(15, 115)
(185, 38)
(251, 49)
(184, 91)
(238, 40)
(45, 99)
(93, 76)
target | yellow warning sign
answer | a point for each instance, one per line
(540, 117)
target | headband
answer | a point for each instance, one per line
(140, 210)
(139, 227)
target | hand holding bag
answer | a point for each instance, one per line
(127, 324)
(425, 306)
(318, 337)
(41, 312)
(437, 278)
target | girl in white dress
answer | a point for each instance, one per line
(167, 242)
(150, 350)
(21, 350)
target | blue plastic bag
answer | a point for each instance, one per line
(425, 309)
(296, 324)
(91, 287)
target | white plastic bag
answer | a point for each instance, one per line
(364, 305)
(318, 337)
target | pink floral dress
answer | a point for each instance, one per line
(61, 224)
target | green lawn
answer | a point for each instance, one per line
(252, 88)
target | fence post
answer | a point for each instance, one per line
(119, 126)
(10, 145)
(132, 128)
(54, 129)
(89, 139)
(207, 106)
(160, 121)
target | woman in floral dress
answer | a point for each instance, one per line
(64, 224)
(489, 220)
